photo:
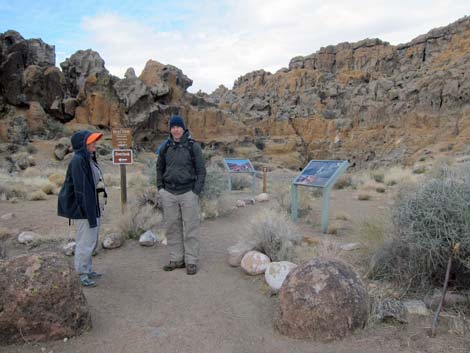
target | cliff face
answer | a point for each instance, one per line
(369, 102)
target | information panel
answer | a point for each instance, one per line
(318, 173)
(239, 166)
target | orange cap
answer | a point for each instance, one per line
(95, 136)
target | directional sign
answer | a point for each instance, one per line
(122, 138)
(121, 156)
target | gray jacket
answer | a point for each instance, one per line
(177, 172)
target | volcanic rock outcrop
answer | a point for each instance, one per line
(369, 102)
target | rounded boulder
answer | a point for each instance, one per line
(276, 273)
(323, 299)
(254, 262)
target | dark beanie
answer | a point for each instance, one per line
(176, 120)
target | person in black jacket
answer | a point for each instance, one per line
(79, 200)
(180, 178)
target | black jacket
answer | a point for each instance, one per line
(78, 198)
(177, 172)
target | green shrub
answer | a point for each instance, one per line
(428, 220)
(215, 183)
(275, 236)
(343, 182)
(241, 181)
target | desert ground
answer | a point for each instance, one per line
(139, 308)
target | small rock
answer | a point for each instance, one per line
(236, 252)
(147, 239)
(241, 203)
(416, 307)
(254, 263)
(276, 273)
(250, 201)
(112, 241)
(263, 197)
(69, 249)
(7, 216)
(350, 246)
(27, 237)
(391, 308)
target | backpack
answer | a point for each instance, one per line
(163, 148)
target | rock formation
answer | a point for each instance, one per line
(369, 102)
(40, 299)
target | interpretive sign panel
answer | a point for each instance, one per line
(239, 166)
(318, 173)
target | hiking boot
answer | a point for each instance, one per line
(87, 282)
(191, 269)
(95, 275)
(173, 265)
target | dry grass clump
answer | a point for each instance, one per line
(275, 235)
(378, 175)
(342, 216)
(148, 196)
(428, 220)
(363, 196)
(37, 195)
(343, 182)
(281, 194)
(399, 176)
(137, 180)
(112, 180)
(49, 188)
(31, 172)
(242, 181)
(12, 191)
(380, 189)
(138, 220)
(57, 179)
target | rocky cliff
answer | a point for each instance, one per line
(369, 102)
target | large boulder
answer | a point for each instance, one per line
(40, 299)
(322, 299)
(79, 66)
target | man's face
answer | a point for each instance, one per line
(177, 132)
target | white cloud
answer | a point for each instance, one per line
(215, 42)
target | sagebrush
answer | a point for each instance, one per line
(428, 220)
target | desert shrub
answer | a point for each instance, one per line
(49, 188)
(363, 196)
(380, 189)
(148, 196)
(342, 216)
(31, 149)
(241, 181)
(138, 220)
(419, 170)
(55, 129)
(343, 182)
(281, 194)
(150, 170)
(428, 220)
(8, 192)
(136, 180)
(112, 180)
(378, 176)
(399, 176)
(275, 235)
(215, 183)
(37, 195)
(56, 178)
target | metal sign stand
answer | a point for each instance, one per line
(326, 191)
(251, 171)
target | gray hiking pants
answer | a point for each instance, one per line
(181, 214)
(86, 241)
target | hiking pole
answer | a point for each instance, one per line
(454, 251)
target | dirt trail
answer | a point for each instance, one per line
(138, 308)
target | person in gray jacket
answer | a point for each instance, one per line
(180, 179)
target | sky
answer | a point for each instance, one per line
(216, 41)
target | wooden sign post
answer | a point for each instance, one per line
(122, 155)
(265, 170)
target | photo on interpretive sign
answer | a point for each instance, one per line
(239, 165)
(317, 173)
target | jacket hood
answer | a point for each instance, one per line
(79, 140)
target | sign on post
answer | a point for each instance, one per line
(121, 138)
(236, 165)
(319, 174)
(122, 156)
